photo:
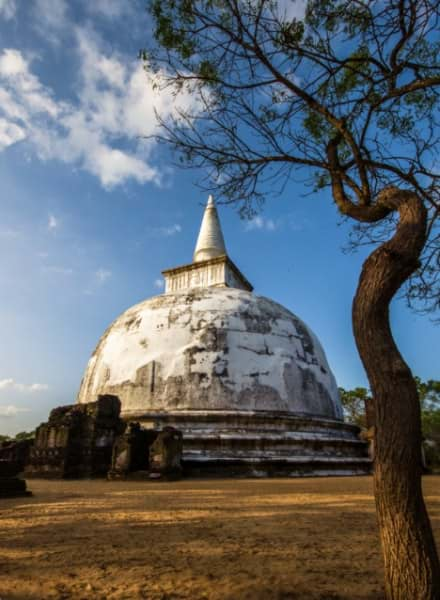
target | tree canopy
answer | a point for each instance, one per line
(346, 94)
(353, 403)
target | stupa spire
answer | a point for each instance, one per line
(210, 242)
(211, 266)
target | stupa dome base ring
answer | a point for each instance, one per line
(220, 443)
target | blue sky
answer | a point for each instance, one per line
(91, 211)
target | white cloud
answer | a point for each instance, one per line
(166, 231)
(35, 387)
(23, 96)
(292, 9)
(4, 383)
(52, 223)
(261, 224)
(110, 9)
(11, 411)
(159, 283)
(8, 8)
(10, 133)
(12, 63)
(9, 233)
(102, 275)
(57, 270)
(50, 19)
(114, 107)
(10, 384)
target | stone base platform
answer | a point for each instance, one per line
(262, 443)
(11, 487)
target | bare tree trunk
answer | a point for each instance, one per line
(412, 570)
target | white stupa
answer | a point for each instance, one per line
(243, 378)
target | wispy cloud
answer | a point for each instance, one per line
(11, 384)
(9, 233)
(11, 411)
(52, 223)
(297, 222)
(100, 278)
(261, 224)
(166, 231)
(159, 283)
(8, 8)
(57, 270)
(102, 275)
(50, 19)
(110, 9)
(292, 9)
(10, 133)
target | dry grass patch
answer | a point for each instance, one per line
(217, 539)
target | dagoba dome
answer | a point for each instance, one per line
(245, 379)
(212, 348)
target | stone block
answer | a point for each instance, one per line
(16, 452)
(10, 484)
(77, 440)
(131, 452)
(10, 487)
(166, 454)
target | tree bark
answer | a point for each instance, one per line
(412, 569)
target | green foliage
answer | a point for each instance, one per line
(24, 435)
(320, 181)
(350, 92)
(343, 15)
(353, 404)
(429, 394)
(315, 125)
(291, 34)
(355, 71)
(207, 71)
(431, 424)
(168, 32)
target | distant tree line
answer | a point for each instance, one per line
(354, 401)
(22, 435)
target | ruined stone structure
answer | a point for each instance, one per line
(17, 452)
(166, 454)
(131, 452)
(77, 440)
(244, 379)
(11, 484)
(13, 457)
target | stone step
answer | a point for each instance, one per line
(298, 466)
(277, 446)
(193, 456)
(280, 437)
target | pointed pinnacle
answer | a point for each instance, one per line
(210, 242)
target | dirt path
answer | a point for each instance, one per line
(230, 540)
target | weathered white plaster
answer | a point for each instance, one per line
(212, 348)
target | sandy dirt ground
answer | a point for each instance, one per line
(217, 539)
